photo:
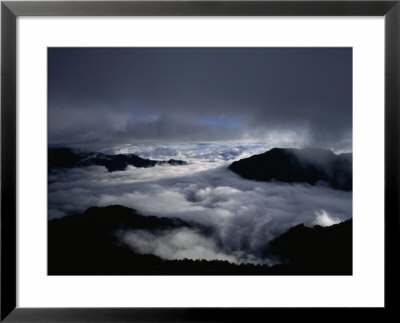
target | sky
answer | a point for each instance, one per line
(101, 97)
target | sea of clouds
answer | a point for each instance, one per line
(245, 215)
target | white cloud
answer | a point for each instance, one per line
(323, 219)
(175, 244)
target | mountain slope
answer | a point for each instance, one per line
(66, 158)
(316, 249)
(298, 165)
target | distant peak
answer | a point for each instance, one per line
(292, 165)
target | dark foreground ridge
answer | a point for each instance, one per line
(66, 158)
(86, 244)
(309, 165)
(316, 248)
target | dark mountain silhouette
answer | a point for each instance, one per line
(63, 158)
(87, 244)
(66, 158)
(310, 165)
(327, 249)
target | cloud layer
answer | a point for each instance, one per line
(244, 214)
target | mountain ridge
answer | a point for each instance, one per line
(67, 158)
(309, 165)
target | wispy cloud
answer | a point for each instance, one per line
(324, 219)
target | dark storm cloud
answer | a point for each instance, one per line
(125, 95)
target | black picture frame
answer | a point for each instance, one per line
(10, 10)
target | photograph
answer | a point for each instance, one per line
(199, 161)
